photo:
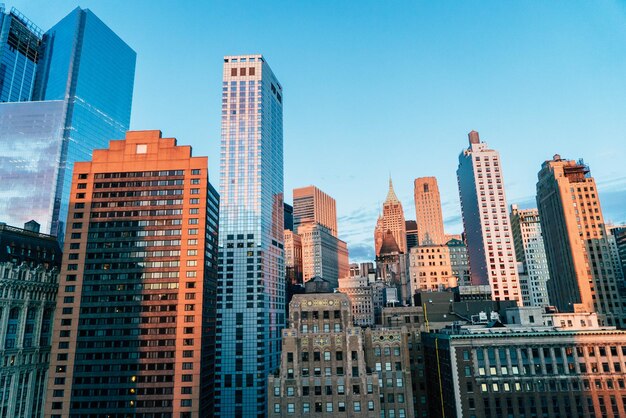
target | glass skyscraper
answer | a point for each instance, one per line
(31, 136)
(87, 67)
(251, 289)
(20, 40)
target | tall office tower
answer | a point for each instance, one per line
(323, 254)
(315, 221)
(29, 268)
(428, 211)
(458, 262)
(91, 71)
(579, 260)
(311, 205)
(411, 235)
(20, 40)
(530, 251)
(487, 230)
(135, 322)
(392, 219)
(251, 289)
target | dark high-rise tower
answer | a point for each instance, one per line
(135, 326)
(251, 292)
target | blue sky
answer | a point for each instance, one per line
(373, 88)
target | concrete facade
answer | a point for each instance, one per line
(430, 268)
(486, 222)
(311, 205)
(482, 371)
(459, 263)
(29, 281)
(530, 251)
(323, 254)
(576, 242)
(135, 329)
(361, 295)
(323, 369)
(428, 213)
(331, 368)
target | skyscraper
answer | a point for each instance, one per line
(392, 219)
(323, 254)
(530, 251)
(428, 213)
(310, 204)
(90, 70)
(251, 289)
(31, 137)
(579, 258)
(315, 221)
(485, 218)
(19, 54)
(136, 303)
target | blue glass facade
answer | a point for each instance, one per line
(86, 64)
(251, 293)
(31, 138)
(20, 42)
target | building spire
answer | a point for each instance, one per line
(391, 195)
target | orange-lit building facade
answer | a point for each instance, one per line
(575, 239)
(134, 331)
(428, 213)
(311, 205)
(293, 257)
(322, 253)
